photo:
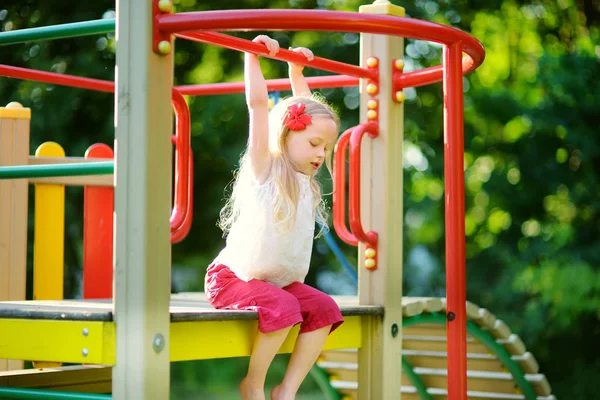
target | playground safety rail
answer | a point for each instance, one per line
(51, 170)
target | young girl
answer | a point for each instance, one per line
(270, 221)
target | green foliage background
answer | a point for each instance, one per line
(532, 162)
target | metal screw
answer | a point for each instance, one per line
(451, 316)
(158, 343)
(85, 331)
(84, 352)
(394, 330)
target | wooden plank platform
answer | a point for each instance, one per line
(83, 331)
(184, 307)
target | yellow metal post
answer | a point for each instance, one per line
(142, 278)
(49, 233)
(14, 150)
(381, 210)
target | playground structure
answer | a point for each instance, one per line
(142, 324)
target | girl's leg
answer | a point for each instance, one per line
(306, 351)
(265, 348)
(321, 315)
(277, 310)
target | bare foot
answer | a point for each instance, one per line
(250, 391)
(278, 393)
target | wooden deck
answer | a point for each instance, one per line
(84, 331)
(184, 307)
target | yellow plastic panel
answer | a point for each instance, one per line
(90, 342)
(201, 340)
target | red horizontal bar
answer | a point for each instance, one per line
(339, 21)
(234, 43)
(57, 79)
(425, 76)
(332, 81)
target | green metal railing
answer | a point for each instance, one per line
(40, 394)
(75, 29)
(415, 379)
(53, 170)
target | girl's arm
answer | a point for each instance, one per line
(257, 99)
(299, 85)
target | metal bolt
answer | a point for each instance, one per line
(164, 47)
(158, 343)
(399, 64)
(400, 96)
(164, 6)
(394, 330)
(370, 253)
(85, 332)
(451, 316)
(369, 263)
(84, 352)
(372, 62)
(372, 88)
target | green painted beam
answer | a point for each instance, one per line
(39, 394)
(52, 170)
(322, 380)
(75, 29)
(416, 380)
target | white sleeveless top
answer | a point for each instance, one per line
(256, 250)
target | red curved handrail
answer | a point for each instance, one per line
(182, 136)
(339, 189)
(354, 198)
(184, 229)
(234, 43)
(324, 20)
(182, 160)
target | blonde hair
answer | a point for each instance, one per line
(282, 173)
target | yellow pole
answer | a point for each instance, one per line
(48, 238)
(14, 150)
(49, 233)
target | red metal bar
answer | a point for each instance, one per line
(98, 207)
(455, 222)
(57, 79)
(182, 136)
(234, 43)
(322, 20)
(339, 190)
(425, 76)
(182, 157)
(184, 229)
(331, 81)
(354, 198)
(318, 82)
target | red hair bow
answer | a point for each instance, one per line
(296, 120)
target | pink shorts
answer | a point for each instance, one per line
(277, 308)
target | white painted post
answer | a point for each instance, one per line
(142, 278)
(380, 358)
